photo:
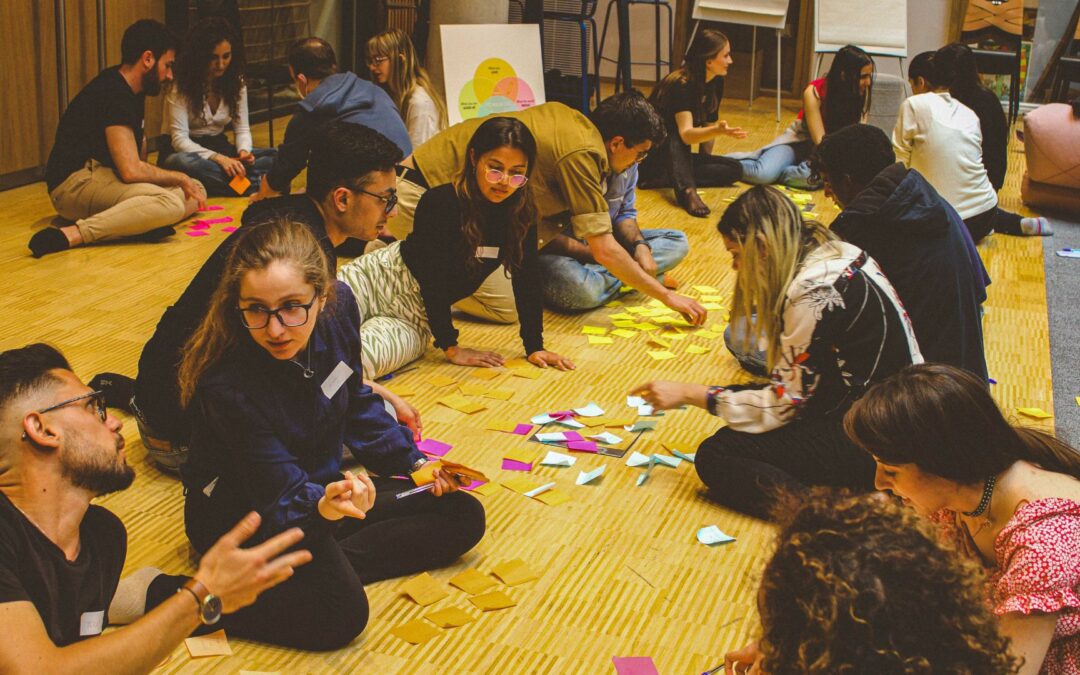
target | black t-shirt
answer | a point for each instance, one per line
(678, 96)
(106, 102)
(71, 597)
(995, 134)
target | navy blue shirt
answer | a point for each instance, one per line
(272, 439)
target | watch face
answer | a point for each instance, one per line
(210, 611)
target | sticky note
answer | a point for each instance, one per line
(542, 419)
(623, 333)
(514, 465)
(430, 446)
(594, 330)
(527, 455)
(706, 289)
(1078, 400)
(484, 373)
(499, 394)
(695, 349)
(461, 404)
(646, 326)
(505, 426)
(712, 306)
(637, 310)
(645, 410)
(622, 422)
(531, 373)
(514, 364)
(581, 446)
(585, 477)
(673, 336)
(514, 572)
(200, 225)
(613, 303)
(634, 665)
(450, 617)
(521, 484)
(212, 207)
(662, 355)
(634, 401)
(493, 600)
(673, 462)
(536, 492)
(688, 456)
(196, 233)
(572, 423)
(557, 459)
(473, 388)
(415, 632)
(423, 589)
(658, 341)
(215, 221)
(402, 390)
(713, 535)
(607, 438)
(213, 644)
(622, 316)
(624, 324)
(229, 228)
(486, 489)
(472, 581)
(600, 340)
(591, 410)
(523, 429)
(240, 184)
(709, 334)
(553, 497)
(439, 380)
(637, 459)
(595, 421)
(1037, 413)
(641, 426)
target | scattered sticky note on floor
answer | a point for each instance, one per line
(527, 455)
(646, 326)
(520, 484)
(473, 388)
(637, 459)
(212, 207)
(709, 334)
(240, 184)
(673, 462)
(402, 390)
(641, 426)
(634, 665)
(1037, 413)
(582, 446)
(200, 225)
(423, 589)
(514, 465)
(196, 233)
(607, 438)
(623, 333)
(712, 535)
(712, 306)
(634, 401)
(688, 456)
(613, 303)
(661, 355)
(591, 410)
(658, 341)
(439, 380)
(585, 477)
(622, 316)
(229, 228)
(531, 372)
(486, 489)
(1078, 400)
(472, 581)
(499, 394)
(514, 572)
(557, 459)
(624, 324)
(493, 600)
(415, 632)
(461, 404)
(450, 617)
(430, 446)
(485, 373)
(553, 497)
(600, 340)
(213, 644)
(706, 289)
(696, 349)
(594, 330)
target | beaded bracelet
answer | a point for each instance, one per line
(710, 399)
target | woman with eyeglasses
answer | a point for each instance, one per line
(395, 67)
(272, 382)
(462, 232)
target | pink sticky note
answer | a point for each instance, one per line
(634, 665)
(196, 233)
(514, 465)
(562, 414)
(213, 207)
(473, 485)
(523, 429)
(216, 221)
(430, 446)
(229, 228)
(200, 225)
(572, 436)
(581, 446)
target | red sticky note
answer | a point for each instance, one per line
(581, 446)
(430, 446)
(514, 465)
(196, 233)
(229, 228)
(634, 665)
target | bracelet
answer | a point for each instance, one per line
(419, 463)
(641, 242)
(710, 399)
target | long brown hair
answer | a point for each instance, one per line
(497, 132)
(706, 46)
(775, 240)
(194, 60)
(843, 104)
(943, 420)
(256, 248)
(406, 72)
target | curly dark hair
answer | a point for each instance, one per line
(860, 584)
(194, 60)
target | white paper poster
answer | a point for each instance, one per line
(491, 68)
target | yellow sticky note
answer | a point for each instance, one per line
(712, 306)
(526, 455)
(423, 589)
(492, 600)
(472, 581)
(656, 303)
(659, 342)
(451, 617)
(622, 316)
(708, 334)
(1037, 413)
(439, 380)
(626, 289)
(1078, 400)
(614, 303)
(662, 355)
(514, 364)
(514, 572)
(600, 340)
(485, 373)
(622, 422)
(674, 336)
(646, 326)
(461, 404)
(486, 489)
(403, 390)
(473, 388)
(624, 324)
(594, 330)
(213, 644)
(637, 310)
(415, 632)
(532, 372)
(695, 349)
(712, 298)
(552, 497)
(706, 289)
(240, 184)
(499, 394)
(593, 421)
(520, 484)
(623, 333)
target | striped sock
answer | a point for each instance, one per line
(1036, 227)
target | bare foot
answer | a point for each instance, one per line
(689, 200)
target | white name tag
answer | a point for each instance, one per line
(487, 251)
(90, 623)
(337, 378)
(209, 489)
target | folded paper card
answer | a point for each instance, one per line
(712, 535)
(450, 617)
(557, 459)
(493, 600)
(514, 572)
(585, 477)
(536, 492)
(423, 589)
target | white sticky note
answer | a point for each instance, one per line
(557, 459)
(634, 401)
(487, 251)
(333, 382)
(673, 462)
(543, 488)
(542, 418)
(591, 410)
(636, 459)
(572, 423)
(607, 438)
(645, 410)
(551, 437)
(90, 623)
(713, 535)
(589, 476)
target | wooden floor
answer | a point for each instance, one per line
(622, 573)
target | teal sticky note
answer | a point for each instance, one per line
(688, 456)
(637, 459)
(713, 535)
(641, 426)
(673, 462)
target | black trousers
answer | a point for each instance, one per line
(746, 472)
(323, 605)
(675, 165)
(157, 392)
(995, 219)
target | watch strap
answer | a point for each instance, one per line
(641, 242)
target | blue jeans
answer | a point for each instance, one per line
(213, 177)
(750, 358)
(571, 286)
(784, 164)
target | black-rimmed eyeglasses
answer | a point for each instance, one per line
(290, 316)
(389, 200)
(96, 397)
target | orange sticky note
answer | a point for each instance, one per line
(451, 617)
(473, 388)
(240, 184)
(492, 600)
(514, 572)
(423, 589)
(461, 404)
(526, 455)
(499, 394)
(402, 390)
(1037, 413)
(532, 372)
(513, 364)
(486, 489)
(472, 581)
(415, 632)
(213, 644)
(440, 380)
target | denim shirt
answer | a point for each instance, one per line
(267, 438)
(621, 194)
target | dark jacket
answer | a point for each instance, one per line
(341, 96)
(926, 252)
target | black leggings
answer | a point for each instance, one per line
(676, 166)
(745, 472)
(995, 219)
(323, 605)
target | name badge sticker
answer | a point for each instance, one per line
(90, 623)
(487, 252)
(337, 378)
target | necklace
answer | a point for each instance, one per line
(984, 503)
(308, 372)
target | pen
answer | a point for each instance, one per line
(714, 670)
(418, 490)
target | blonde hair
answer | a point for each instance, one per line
(406, 73)
(775, 241)
(256, 248)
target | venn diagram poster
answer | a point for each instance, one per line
(491, 68)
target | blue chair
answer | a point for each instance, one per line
(579, 12)
(624, 65)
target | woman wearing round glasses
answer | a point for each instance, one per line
(462, 232)
(271, 380)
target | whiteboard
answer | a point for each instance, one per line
(878, 26)
(491, 68)
(766, 13)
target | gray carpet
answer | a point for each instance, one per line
(1063, 306)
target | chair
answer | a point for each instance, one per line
(1067, 68)
(580, 13)
(624, 67)
(1000, 24)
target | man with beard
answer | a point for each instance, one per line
(61, 557)
(97, 173)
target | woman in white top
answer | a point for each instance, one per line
(207, 95)
(394, 66)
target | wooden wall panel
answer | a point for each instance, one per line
(28, 109)
(119, 14)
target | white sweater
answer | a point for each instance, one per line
(182, 127)
(423, 120)
(941, 138)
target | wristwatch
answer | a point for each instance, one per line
(208, 605)
(419, 463)
(640, 242)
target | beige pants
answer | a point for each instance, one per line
(104, 207)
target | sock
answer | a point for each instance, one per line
(1036, 227)
(49, 240)
(118, 389)
(129, 602)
